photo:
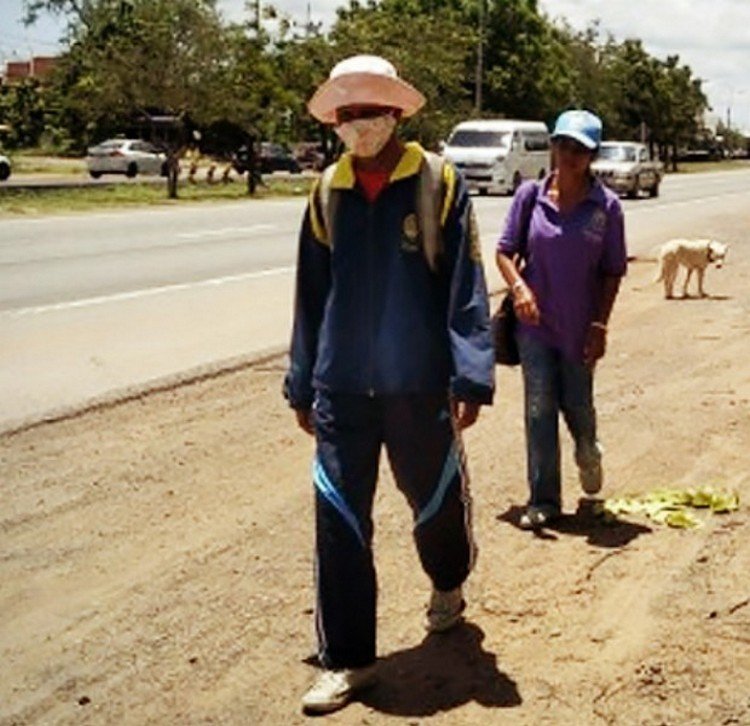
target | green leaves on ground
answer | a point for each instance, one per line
(671, 506)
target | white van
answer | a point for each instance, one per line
(496, 155)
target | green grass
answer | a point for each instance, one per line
(695, 167)
(33, 163)
(30, 202)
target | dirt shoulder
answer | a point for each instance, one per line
(156, 559)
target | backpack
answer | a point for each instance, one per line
(429, 203)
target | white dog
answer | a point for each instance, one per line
(694, 255)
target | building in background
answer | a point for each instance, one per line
(40, 66)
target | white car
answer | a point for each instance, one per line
(627, 167)
(4, 167)
(125, 156)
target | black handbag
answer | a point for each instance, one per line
(504, 321)
(504, 333)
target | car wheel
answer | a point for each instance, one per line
(132, 170)
(4, 171)
(517, 179)
(482, 191)
(541, 174)
(654, 191)
(95, 174)
(633, 193)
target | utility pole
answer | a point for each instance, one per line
(256, 8)
(480, 62)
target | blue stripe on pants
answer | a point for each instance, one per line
(324, 485)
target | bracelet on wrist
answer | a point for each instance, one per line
(601, 326)
(517, 285)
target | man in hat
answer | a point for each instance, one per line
(390, 347)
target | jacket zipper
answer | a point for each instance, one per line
(371, 295)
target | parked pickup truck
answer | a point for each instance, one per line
(627, 167)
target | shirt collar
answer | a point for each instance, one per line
(596, 193)
(408, 165)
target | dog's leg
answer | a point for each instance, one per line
(669, 283)
(666, 272)
(687, 280)
(700, 272)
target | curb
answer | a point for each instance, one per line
(117, 396)
(188, 377)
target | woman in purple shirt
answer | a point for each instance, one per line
(562, 253)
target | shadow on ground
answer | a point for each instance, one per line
(443, 672)
(598, 531)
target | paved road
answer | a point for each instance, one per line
(93, 303)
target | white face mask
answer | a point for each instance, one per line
(366, 137)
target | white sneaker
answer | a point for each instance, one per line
(591, 477)
(445, 610)
(537, 517)
(590, 472)
(335, 688)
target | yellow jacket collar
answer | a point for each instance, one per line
(408, 165)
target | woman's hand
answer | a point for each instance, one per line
(596, 344)
(524, 303)
(465, 413)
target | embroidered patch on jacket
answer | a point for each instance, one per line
(594, 229)
(475, 246)
(410, 234)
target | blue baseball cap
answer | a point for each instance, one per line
(582, 126)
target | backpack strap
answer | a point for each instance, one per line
(430, 203)
(528, 210)
(430, 194)
(325, 210)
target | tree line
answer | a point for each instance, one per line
(128, 59)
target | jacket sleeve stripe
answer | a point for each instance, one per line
(449, 180)
(316, 216)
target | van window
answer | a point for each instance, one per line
(465, 137)
(617, 153)
(536, 141)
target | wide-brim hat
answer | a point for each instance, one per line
(364, 80)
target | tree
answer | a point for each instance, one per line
(527, 73)
(430, 48)
(130, 58)
(22, 108)
(679, 116)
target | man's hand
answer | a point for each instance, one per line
(465, 413)
(305, 420)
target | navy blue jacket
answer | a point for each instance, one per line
(370, 315)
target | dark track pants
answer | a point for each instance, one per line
(427, 461)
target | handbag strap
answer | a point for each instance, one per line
(528, 209)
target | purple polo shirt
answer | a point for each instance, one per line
(567, 258)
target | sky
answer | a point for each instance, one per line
(711, 36)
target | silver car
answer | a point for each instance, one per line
(4, 167)
(125, 156)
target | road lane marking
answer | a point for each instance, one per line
(147, 292)
(662, 205)
(226, 230)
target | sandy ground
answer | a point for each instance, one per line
(156, 555)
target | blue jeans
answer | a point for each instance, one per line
(554, 385)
